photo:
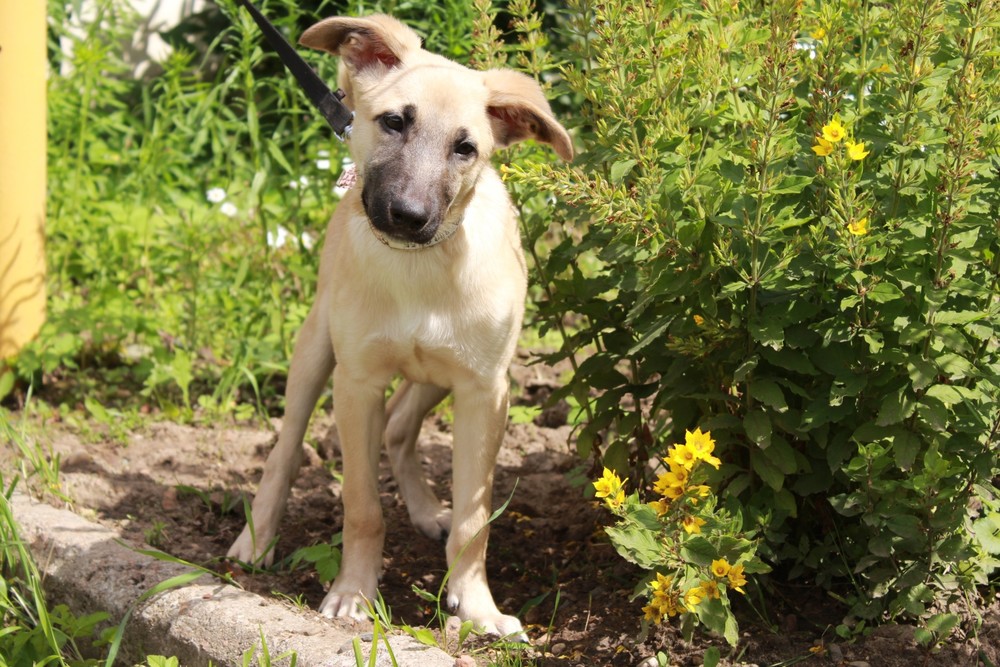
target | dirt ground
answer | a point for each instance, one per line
(181, 488)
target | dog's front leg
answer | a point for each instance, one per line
(359, 409)
(480, 417)
(312, 363)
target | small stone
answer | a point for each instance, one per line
(465, 661)
(836, 653)
(651, 661)
(858, 663)
(558, 649)
(367, 637)
(453, 624)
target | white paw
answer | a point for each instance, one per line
(339, 604)
(487, 618)
(256, 549)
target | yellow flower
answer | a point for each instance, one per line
(683, 456)
(694, 597)
(608, 485)
(661, 506)
(736, 578)
(859, 228)
(856, 151)
(818, 33)
(822, 147)
(702, 445)
(699, 320)
(617, 501)
(834, 131)
(711, 588)
(883, 69)
(720, 568)
(692, 524)
(663, 582)
(671, 484)
(653, 613)
(702, 490)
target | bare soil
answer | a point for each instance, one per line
(181, 488)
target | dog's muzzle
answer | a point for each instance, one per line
(406, 225)
(444, 232)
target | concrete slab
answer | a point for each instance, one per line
(87, 568)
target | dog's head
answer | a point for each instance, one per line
(424, 126)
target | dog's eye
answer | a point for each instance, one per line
(465, 148)
(392, 122)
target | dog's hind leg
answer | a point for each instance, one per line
(406, 411)
(312, 364)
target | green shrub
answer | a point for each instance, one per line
(828, 310)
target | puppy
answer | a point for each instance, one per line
(422, 275)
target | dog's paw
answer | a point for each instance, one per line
(487, 619)
(338, 604)
(434, 521)
(255, 549)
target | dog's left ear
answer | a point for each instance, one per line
(363, 43)
(518, 110)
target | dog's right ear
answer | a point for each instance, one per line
(363, 43)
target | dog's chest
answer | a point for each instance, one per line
(443, 333)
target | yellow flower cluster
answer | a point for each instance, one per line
(664, 600)
(674, 483)
(832, 134)
(611, 488)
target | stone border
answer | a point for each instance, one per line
(86, 567)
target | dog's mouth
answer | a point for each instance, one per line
(405, 225)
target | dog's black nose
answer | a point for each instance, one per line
(409, 216)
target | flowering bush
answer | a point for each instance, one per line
(696, 553)
(782, 227)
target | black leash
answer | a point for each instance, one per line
(328, 102)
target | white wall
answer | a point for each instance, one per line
(146, 46)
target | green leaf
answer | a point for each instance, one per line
(422, 635)
(987, 532)
(781, 454)
(767, 471)
(96, 410)
(278, 156)
(905, 447)
(635, 544)
(792, 184)
(947, 394)
(744, 369)
(620, 169)
(884, 292)
(768, 332)
(758, 428)
(958, 317)
(711, 657)
(769, 393)
(942, 624)
(895, 407)
(697, 550)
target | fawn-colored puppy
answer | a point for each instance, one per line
(422, 275)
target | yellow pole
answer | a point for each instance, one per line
(22, 172)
